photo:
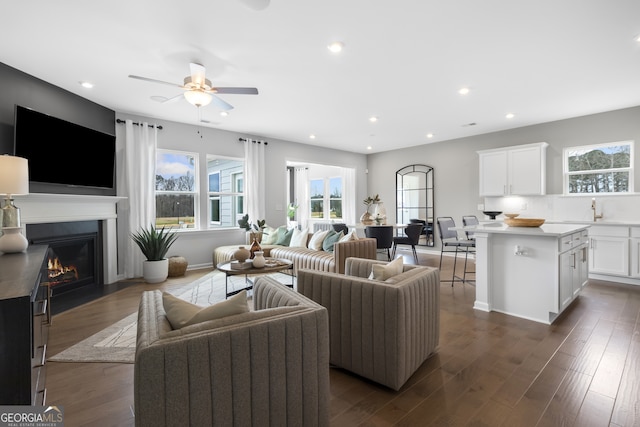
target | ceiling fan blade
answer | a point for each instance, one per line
(197, 74)
(173, 98)
(220, 103)
(236, 90)
(146, 79)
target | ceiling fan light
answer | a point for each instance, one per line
(198, 98)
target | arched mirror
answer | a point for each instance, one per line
(414, 199)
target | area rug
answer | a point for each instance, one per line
(117, 343)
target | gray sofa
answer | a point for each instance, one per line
(382, 331)
(308, 258)
(269, 366)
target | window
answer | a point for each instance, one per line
(225, 192)
(604, 168)
(317, 198)
(176, 189)
(326, 198)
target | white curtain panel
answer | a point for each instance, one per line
(254, 176)
(301, 178)
(139, 184)
(349, 196)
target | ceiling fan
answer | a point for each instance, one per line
(199, 91)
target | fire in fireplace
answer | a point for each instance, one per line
(58, 273)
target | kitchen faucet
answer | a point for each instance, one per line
(593, 208)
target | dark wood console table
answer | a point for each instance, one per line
(23, 327)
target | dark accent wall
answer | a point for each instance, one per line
(20, 88)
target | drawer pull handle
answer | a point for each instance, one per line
(43, 308)
(44, 356)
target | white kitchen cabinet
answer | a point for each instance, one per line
(574, 268)
(634, 244)
(609, 250)
(518, 170)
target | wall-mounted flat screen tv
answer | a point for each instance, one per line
(61, 152)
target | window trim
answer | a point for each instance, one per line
(217, 225)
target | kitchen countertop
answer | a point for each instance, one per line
(619, 223)
(546, 229)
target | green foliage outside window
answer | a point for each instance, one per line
(604, 168)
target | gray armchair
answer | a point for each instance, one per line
(269, 366)
(382, 331)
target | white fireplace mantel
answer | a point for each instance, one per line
(38, 208)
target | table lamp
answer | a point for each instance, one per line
(14, 179)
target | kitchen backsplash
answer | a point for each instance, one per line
(625, 208)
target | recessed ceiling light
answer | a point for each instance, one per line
(373, 119)
(637, 38)
(312, 136)
(159, 98)
(463, 90)
(335, 47)
(429, 135)
(510, 115)
(224, 113)
(369, 147)
(86, 85)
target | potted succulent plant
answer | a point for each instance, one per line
(154, 244)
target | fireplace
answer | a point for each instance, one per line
(75, 254)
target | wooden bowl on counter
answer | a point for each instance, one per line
(511, 215)
(524, 222)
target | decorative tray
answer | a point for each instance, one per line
(524, 222)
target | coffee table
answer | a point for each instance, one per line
(273, 265)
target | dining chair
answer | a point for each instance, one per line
(383, 235)
(412, 237)
(449, 242)
(338, 227)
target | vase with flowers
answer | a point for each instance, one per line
(367, 218)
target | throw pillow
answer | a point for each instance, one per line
(330, 240)
(181, 313)
(349, 236)
(316, 240)
(385, 271)
(269, 236)
(299, 238)
(284, 238)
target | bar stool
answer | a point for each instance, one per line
(470, 221)
(449, 242)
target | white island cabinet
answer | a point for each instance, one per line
(530, 272)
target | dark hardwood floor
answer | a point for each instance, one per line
(490, 369)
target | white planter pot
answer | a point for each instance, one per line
(155, 271)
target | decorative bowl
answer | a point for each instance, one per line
(524, 222)
(511, 215)
(492, 214)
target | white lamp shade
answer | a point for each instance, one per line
(198, 97)
(14, 175)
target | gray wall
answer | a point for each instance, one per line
(19, 88)
(456, 162)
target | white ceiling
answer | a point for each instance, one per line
(403, 62)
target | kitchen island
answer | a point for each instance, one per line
(530, 272)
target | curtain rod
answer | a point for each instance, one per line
(259, 142)
(120, 121)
